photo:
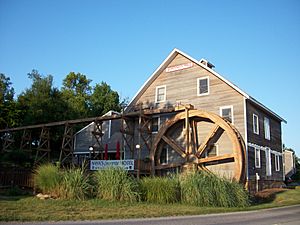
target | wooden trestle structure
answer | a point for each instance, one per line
(191, 151)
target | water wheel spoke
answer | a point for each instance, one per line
(174, 145)
(220, 159)
(208, 138)
(167, 166)
(194, 136)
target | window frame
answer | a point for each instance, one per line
(216, 145)
(277, 163)
(268, 162)
(158, 124)
(257, 163)
(167, 156)
(156, 93)
(227, 107)
(255, 119)
(267, 128)
(198, 86)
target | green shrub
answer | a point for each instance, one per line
(74, 184)
(160, 189)
(205, 189)
(47, 179)
(115, 184)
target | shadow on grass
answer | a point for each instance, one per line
(13, 198)
(266, 196)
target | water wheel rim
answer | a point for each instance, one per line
(236, 139)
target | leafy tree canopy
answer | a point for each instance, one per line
(103, 99)
(42, 102)
(9, 114)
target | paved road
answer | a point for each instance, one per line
(285, 215)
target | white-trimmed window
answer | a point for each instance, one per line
(268, 162)
(226, 112)
(203, 86)
(277, 163)
(257, 157)
(255, 124)
(155, 124)
(267, 128)
(164, 155)
(160, 93)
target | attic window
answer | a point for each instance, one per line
(160, 94)
(203, 86)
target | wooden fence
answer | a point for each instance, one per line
(16, 177)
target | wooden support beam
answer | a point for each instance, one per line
(67, 147)
(26, 141)
(8, 142)
(166, 166)
(206, 141)
(217, 158)
(174, 145)
(43, 149)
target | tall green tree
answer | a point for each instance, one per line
(42, 103)
(9, 114)
(103, 99)
(76, 91)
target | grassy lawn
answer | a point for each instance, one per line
(33, 209)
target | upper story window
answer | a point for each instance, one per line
(155, 124)
(160, 94)
(277, 163)
(203, 86)
(257, 157)
(227, 113)
(255, 124)
(267, 128)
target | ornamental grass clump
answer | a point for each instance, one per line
(47, 178)
(74, 184)
(115, 184)
(206, 189)
(160, 190)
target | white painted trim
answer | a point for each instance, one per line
(156, 93)
(253, 123)
(259, 162)
(198, 86)
(176, 51)
(246, 137)
(109, 129)
(227, 107)
(277, 163)
(268, 162)
(264, 148)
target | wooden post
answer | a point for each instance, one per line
(187, 131)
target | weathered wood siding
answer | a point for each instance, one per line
(275, 143)
(181, 88)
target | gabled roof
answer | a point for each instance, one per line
(172, 55)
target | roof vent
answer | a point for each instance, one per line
(206, 63)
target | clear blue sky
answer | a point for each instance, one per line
(254, 44)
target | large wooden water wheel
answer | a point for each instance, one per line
(200, 140)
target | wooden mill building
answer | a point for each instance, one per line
(186, 116)
(184, 81)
